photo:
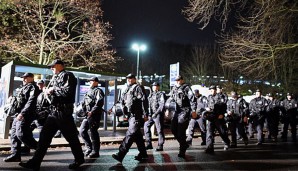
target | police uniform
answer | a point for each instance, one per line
(217, 106)
(21, 131)
(183, 96)
(289, 117)
(62, 99)
(199, 120)
(156, 115)
(257, 108)
(93, 102)
(273, 112)
(237, 109)
(132, 99)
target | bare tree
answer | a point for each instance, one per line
(202, 11)
(72, 30)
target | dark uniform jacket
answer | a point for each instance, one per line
(239, 108)
(93, 100)
(201, 104)
(26, 100)
(156, 103)
(257, 107)
(290, 108)
(132, 100)
(183, 96)
(64, 88)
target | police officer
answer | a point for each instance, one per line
(237, 111)
(273, 112)
(132, 100)
(215, 110)
(257, 108)
(92, 106)
(197, 120)
(183, 96)
(289, 118)
(156, 115)
(24, 115)
(61, 92)
(223, 96)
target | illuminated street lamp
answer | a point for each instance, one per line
(138, 48)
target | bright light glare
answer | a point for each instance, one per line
(138, 47)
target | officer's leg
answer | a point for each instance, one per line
(94, 125)
(24, 133)
(183, 122)
(85, 136)
(174, 126)
(260, 125)
(202, 125)
(210, 136)
(293, 128)
(233, 129)
(140, 142)
(45, 138)
(191, 127)
(15, 144)
(285, 129)
(128, 139)
(159, 124)
(221, 126)
(241, 130)
(147, 131)
(69, 131)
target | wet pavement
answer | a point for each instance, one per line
(269, 156)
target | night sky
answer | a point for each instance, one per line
(146, 20)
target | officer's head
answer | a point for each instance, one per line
(56, 66)
(234, 94)
(212, 89)
(289, 96)
(93, 81)
(27, 78)
(258, 93)
(269, 96)
(40, 84)
(155, 86)
(179, 80)
(197, 92)
(131, 79)
(218, 89)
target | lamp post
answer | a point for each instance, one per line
(138, 47)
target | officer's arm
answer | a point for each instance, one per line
(31, 102)
(192, 99)
(161, 103)
(99, 101)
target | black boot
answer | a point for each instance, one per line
(118, 156)
(13, 158)
(149, 146)
(30, 164)
(95, 151)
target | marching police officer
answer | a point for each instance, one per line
(215, 110)
(92, 106)
(132, 100)
(237, 111)
(257, 107)
(24, 115)
(289, 117)
(197, 120)
(273, 112)
(184, 99)
(156, 115)
(61, 94)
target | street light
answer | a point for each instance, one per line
(138, 48)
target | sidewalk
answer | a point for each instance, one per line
(106, 136)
